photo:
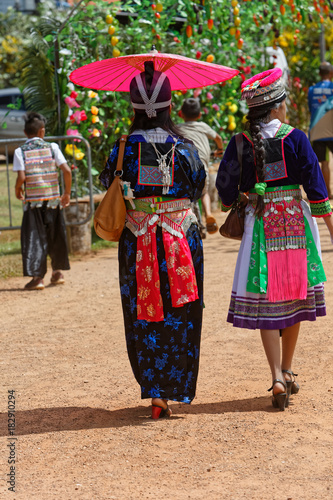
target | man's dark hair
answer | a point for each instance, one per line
(191, 108)
(33, 123)
(325, 69)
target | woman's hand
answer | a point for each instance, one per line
(329, 223)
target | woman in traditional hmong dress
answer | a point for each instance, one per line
(160, 250)
(279, 275)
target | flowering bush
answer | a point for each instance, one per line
(220, 31)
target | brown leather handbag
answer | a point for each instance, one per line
(110, 215)
(233, 226)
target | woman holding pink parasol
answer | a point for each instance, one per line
(160, 250)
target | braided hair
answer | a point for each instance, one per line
(254, 117)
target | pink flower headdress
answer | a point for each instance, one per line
(264, 88)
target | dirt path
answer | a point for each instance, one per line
(82, 431)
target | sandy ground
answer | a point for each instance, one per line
(81, 430)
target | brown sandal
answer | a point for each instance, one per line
(211, 225)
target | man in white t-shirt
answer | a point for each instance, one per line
(43, 230)
(200, 133)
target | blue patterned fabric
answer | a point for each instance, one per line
(164, 355)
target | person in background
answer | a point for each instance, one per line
(200, 133)
(278, 281)
(43, 230)
(160, 249)
(317, 95)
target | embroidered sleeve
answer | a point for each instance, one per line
(320, 208)
(228, 177)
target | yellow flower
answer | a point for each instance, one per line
(231, 118)
(70, 149)
(78, 155)
(96, 132)
(283, 42)
(95, 119)
(94, 110)
(233, 108)
(117, 130)
(92, 94)
(232, 126)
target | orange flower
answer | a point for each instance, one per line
(94, 110)
(96, 132)
(95, 119)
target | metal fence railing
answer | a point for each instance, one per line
(6, 145)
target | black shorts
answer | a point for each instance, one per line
(320, 147)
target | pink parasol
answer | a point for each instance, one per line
(184, 73)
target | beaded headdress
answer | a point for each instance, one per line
(264, 88)
(154, 100)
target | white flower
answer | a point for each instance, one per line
(65, 52)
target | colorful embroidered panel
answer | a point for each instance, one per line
(41, 173)
(283, 131)
(283, 218)
(320, 208)
(275, 171)
(150, 174)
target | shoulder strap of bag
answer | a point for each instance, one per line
(122, 143)
(239, 145)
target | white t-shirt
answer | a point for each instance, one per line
(18, 162)
(199, 133)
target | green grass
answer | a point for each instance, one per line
(97, 243)
(10, 254)
(16, 205)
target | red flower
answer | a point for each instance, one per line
(83, 116)
(73, 94)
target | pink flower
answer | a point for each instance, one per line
(206, 111)
(71, 103)
(247, 70)
(196, 93)
(216, 107)
(73, 94)
(209, 95)
(76, 117)
(72, 131)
